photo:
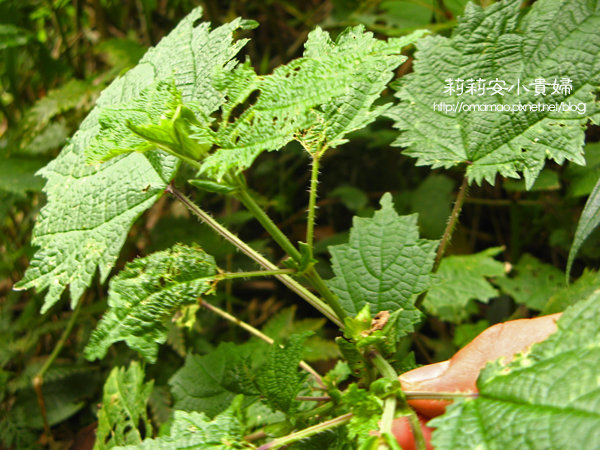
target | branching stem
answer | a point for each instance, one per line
(257, 257)
(249, 328)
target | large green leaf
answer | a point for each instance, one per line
(588, 222)
(555, 40)
(461, 279)
(209, 383)
(533, 283)
(546, 398)
(123, 411)
(147, 292)
(192, 430)
(384, 264)
(91, 207)
(316, 99)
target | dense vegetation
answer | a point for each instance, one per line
(304, 136)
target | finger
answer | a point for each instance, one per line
(403, 433)
(459, 374)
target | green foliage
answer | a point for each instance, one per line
(195, 430)
(209, 383)
(316, 99)
(554, 384)
(278, 379)
(501, 42)
(461, 279)
(17, 175)
(582, 288)
(147, 292)
(590, 218)
(123, 410)
(91, 208)
(534, 282)
(384, 265)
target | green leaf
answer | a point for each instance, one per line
(156, 118)
(91, 208)
(432, 200)
(547, 180)
(316, 99)
(13, 36)
(17, 175)
(545, 398)
(588, 222)
(553, 40)
(124, 400)
(534, 283)
(210, 382)
(384, 264)
(461, 279)
(586, 285)
(147, 292)
(583, 178)
(367, 409)
(279, 379)
(194, 430)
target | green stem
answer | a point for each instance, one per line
(311, 274)
(38, 379)
(257, 257)
(312, 201)
(244, 196)
(439, 395)
(448, 231)
(386, 370)
(307, 432)
(253, 273)
(451, 225)
(249, 328)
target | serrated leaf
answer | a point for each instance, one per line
(317, 99)
(384, 264)
(124, 400)
(279, 379)
(195, 430)
(461, 279)
(583, 287)
(534, 283)
(209, 383)
(588, 222)
(367, 409)
(546, 398)
(555, 39)
(91, 208)
(147, 292)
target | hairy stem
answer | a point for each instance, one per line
(257, 257)
(282, 240)
(450, 226)
(253, 273)
(38, 379)
(312, 201)
(307, 432)
(249, 328)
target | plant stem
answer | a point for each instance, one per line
(249, 328)
(452, 221)
(253, 273)
(307, 432)
(257, 257)
(450, 226)
(244, 196)
(439, 395)
(311, 274)
(312, 201)
(386, 369)
(38, 379)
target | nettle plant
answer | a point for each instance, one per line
(189, 101)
